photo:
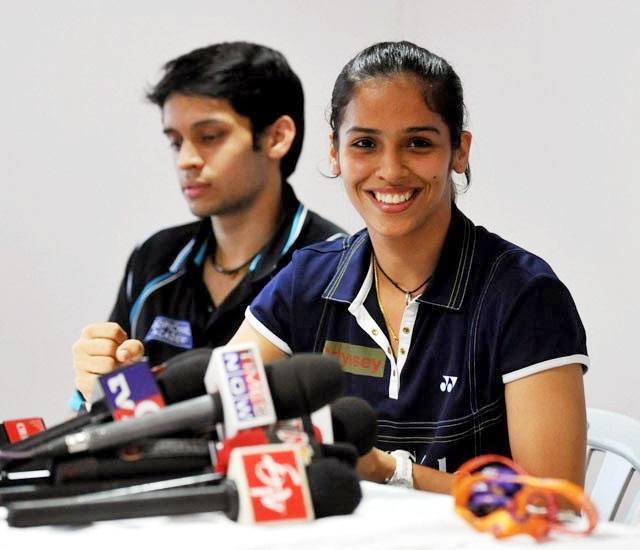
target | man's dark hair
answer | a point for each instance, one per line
(257, 81)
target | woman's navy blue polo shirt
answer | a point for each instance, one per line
(492, 313)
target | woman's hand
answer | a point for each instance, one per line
(376, 465)
(379, 466)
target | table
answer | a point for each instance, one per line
(388, 518)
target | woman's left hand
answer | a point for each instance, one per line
(376, 466)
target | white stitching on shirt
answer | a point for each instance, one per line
(342, 266)
(461, 263)
(476, 321)
(467, 271)
(440, 438)
(442, 423)
(474, 333)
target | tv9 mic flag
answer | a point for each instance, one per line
(181, 380)
(131, 391)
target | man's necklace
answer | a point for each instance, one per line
(230, 272)
(408, 294)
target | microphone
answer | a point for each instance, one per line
(333, 488)
(354, 424)
(354, 429)
(159, 458)
(145, 458)
(299, 385)
(354, 421)
(181, 379)
(15, 432)
(19, 429)
(183, 375)
(113, 487)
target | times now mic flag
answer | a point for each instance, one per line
(272, 484)
(130, 391)
(238, 374)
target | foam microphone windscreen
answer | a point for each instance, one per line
(344, 452)
(299, 386)
(183, 376)
(334, 487)
(311, 380)
(316, 379)
(354, 421)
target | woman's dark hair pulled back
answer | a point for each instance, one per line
(441, 86)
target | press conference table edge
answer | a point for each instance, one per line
(388, 517)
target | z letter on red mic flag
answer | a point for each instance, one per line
(275, 486)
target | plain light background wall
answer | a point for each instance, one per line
(552, 92)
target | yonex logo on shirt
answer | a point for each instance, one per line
(449, 382)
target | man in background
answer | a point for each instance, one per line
(233, 114)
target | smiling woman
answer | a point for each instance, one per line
(396, 163)
(482, 346)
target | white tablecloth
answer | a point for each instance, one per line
(388, 518)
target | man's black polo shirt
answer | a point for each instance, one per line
(164, 302)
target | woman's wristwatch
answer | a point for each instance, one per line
(403, 474)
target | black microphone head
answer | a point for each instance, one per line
(183, 376)
(354, 421)
(304, 383)
(299, 385)
(334, 487)
(344, 452)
